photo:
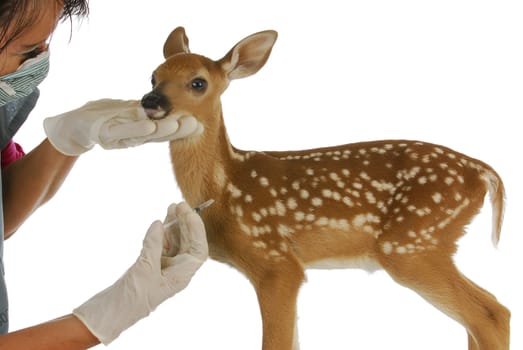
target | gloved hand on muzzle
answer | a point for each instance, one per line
(114, 124)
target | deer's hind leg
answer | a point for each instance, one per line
(435, 277)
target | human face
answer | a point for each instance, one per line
(31, 41)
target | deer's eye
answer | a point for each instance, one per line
(199, 84)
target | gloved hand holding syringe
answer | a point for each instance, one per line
(174, 243)
(169, 258)
(197, 209)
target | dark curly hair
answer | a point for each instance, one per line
(18, 15)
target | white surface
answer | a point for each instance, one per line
(448, 72)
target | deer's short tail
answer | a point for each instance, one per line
(496, 191)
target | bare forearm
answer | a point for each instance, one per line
(31, 181)
(64, 333)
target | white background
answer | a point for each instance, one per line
(448, 72)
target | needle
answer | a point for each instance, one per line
(197, 209)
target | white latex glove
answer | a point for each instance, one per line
(174, 241)
(113, 124)
(152, 279)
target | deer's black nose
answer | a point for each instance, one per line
(154, 100)
(156, 105)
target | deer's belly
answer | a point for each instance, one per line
(359, 262)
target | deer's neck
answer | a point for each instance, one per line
(200, 165)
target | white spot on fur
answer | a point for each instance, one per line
(326, 193)
(238, 156)
(317, 202)
(220, 179)
(239, 211)
(370, 197)
(256, 217)
(383, 186)
(299, 216)
(365, 176)
(359, 220)
(401, 250)
(274, 253)
(280, 209)
(323, 221)
(259, 244)
(334, 177)
(264, 181)
(284, 230)
(246, 229)
(386, 248)
(235, 191)
(291, 203)
(423, 212)
(339, 224)
(347, 201)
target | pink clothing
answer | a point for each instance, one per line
(12, 152)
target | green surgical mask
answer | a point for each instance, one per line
(25, 79)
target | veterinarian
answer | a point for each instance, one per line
(28, 181)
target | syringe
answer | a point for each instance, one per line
(197, 209)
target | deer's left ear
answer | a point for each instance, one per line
(177, 42)
(249, 55)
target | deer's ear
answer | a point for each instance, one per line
(249, 55)
(177, 42)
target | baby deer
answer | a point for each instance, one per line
(396, 205)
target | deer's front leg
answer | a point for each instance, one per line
(277, 289)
